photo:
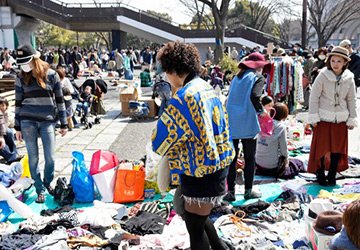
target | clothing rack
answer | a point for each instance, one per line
(284, 81)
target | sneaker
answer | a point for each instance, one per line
(18, 158)
(40, 198)
(230, 196)
(251, 194)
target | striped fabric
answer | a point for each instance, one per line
(32, 102)
(161, 209)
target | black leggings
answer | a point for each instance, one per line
(249, 148)
(202, 232)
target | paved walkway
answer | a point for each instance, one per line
(126, 138)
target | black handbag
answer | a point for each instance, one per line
(63, 193)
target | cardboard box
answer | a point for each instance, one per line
(318, 241)
(125, 109)
(129, 83)
(151, 102)
(129, 94)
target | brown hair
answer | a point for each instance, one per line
(3, 100)
(180, 58)
(328, 64)
(61, 72)
(39, 71)
(281, 111)
(351, 221)
(322, 50)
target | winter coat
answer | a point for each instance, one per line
(333, 100)
(354, 67)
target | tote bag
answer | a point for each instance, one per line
(129, 186)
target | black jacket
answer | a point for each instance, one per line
(354, 67)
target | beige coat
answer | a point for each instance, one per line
(332, 100)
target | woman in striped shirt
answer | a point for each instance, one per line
(39, 104)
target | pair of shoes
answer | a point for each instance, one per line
(251, 194)
(40, 198)
(18, 158)
(50, 190)
(230, 196)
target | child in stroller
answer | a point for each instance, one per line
(85, 101)
(91, 98)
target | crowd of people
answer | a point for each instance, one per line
(197, 133)
(203, 161)
(76, 60)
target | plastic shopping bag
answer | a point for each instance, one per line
(25, 165)
(266, 125)
(103, 170)
(103, 160)
(81, 180)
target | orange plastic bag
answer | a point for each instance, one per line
(129, 186)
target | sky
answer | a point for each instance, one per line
(175, 9)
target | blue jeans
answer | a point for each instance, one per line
(9, 152)
(128, 74)
(30, 131)
(83, 106)
(164, 92)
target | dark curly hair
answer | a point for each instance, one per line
(180, 58)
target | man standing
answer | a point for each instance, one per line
(234, 54)
(75, 60)
(210, 55)
(354, 64)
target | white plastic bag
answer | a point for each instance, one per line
(163, 177)
(152, 164)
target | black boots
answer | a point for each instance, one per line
(330, 179)
(320, 176)
(230, 196)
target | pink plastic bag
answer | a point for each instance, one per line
(103, 160)
(266, 124)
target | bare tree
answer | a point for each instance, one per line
(199, 12)
(105, 37)
(220, 10)
(327, 16)
(258, 13)
(284, 30)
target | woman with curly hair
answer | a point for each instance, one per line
(193, 132)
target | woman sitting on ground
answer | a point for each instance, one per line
(271, 152)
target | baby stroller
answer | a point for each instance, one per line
(138, 110)
(98, 88)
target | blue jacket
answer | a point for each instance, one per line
(193, 132)
(341, 241)
(243, 120)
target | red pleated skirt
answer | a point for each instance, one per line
(329, 138)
